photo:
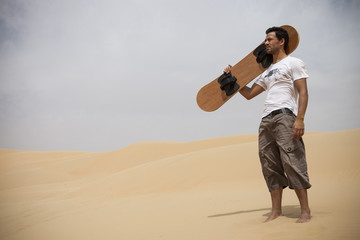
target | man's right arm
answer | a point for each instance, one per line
(247, 92)
(252, 92)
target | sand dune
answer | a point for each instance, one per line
(208, 189)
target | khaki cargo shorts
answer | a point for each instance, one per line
(282, 157)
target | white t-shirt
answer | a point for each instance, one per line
(278, 80)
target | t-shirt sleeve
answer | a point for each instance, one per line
(299, 70)
(260, 81)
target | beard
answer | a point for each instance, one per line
(272, 50)
(269, 51)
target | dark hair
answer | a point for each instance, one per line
(280, 34)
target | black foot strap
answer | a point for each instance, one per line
(228, 84)
(262, 56)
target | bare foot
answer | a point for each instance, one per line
(273, 216)
(304, 217)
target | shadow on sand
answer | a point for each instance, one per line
(290, 211)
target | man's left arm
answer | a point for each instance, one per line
(299, 126)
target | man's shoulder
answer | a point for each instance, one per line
(295, 62)
(294, 59)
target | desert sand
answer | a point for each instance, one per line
(211, 189)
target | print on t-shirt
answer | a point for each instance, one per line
(273, 71)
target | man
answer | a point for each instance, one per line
(281, 149)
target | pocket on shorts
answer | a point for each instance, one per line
(295, 152)
(290, 147)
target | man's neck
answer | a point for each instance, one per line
(277, 57)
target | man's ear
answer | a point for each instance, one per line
(282, 41)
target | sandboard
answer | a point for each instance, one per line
(211, 97)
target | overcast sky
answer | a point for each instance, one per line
(101, 75)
